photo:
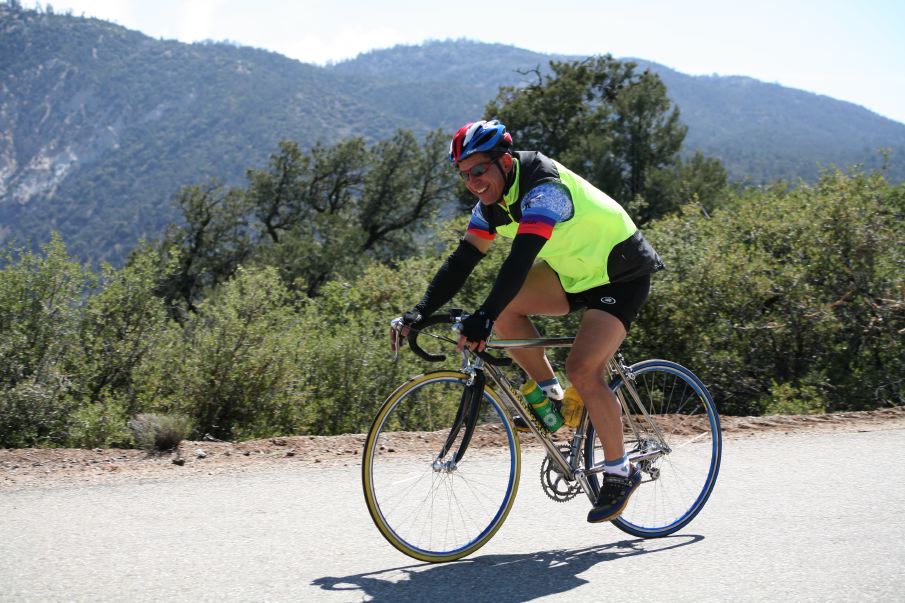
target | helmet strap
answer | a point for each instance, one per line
(508, 178)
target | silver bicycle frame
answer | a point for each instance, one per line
(570, 470)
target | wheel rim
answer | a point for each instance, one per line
(676, 485)
(429, 512)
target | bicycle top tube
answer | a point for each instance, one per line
(542, 342)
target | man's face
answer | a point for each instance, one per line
(483, 177)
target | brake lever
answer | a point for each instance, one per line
(396, 325)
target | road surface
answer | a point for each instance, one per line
(805, 516)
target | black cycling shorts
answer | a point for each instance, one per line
(622, 300)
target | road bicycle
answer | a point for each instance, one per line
(439, 502)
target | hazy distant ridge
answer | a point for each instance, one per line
(100, 125)
(761, 131)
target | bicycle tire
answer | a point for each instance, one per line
(438, 515)
(675, 486)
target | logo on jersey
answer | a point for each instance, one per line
(608, 300)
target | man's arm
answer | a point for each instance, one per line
(453, 273)
(513, 273)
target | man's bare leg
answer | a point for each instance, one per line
(542, 294)
(598, 338)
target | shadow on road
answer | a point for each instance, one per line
(500, 578)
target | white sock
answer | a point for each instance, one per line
(617, 467)
(552, 388)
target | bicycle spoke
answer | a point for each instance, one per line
(442, 512)
(680, 416)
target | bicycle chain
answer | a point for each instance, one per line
(553, 483)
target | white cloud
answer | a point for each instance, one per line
(347, 43)
(196, 21)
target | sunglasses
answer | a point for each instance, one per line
(476, 171)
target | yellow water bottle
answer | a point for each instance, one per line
(541, 406)
(572, 405)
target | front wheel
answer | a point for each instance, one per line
(676, 443)
(435, 509)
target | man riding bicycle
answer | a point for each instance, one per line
(592, 258)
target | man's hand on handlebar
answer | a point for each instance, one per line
(399, 328)
(475, 331)
(475, 338)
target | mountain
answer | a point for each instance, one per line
(761, 132)
(100, 126)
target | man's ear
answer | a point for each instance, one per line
(506, 160)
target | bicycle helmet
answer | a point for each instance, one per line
(478, 137)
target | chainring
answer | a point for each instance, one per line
(552, 481)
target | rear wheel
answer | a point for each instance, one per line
(433, 509)
(680, 435)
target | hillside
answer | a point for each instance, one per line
(100, 126)
(761, 132)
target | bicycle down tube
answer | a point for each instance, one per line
(570, 471)
(615, 368)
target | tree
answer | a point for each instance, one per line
(210, 245)
(699, 179)
(785, 299)
(296, 187)
(612, 125)
(405, 186)
(40, 295)
(328, 212)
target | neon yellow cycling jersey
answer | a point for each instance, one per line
(595, 245)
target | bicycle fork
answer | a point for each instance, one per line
(466, 416)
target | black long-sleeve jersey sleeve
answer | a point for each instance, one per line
(449, 278)
(513, 272)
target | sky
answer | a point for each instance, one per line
(851, 50)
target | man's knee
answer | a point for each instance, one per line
(507, 320)
(583, 373)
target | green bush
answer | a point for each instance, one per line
(790, 399)
(120, 322)
(233, 368)
(99, 424)
(801, 288)
(40, 297)
(36, 412)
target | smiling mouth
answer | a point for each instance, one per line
(482, 191)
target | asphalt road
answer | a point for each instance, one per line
(808, 516)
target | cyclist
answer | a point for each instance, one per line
(591, 258)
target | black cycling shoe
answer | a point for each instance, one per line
(615, 491)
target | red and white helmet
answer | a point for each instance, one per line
(478, 137)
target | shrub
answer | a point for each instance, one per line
(791, 399)
(119, 323)
(159, 431)
(785, 295)
(35, 412)
(99, 424)
(40, 296)
(233, 367)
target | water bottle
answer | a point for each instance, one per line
(572, 404)
(541, 406)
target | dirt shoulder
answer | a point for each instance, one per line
(43, 468)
